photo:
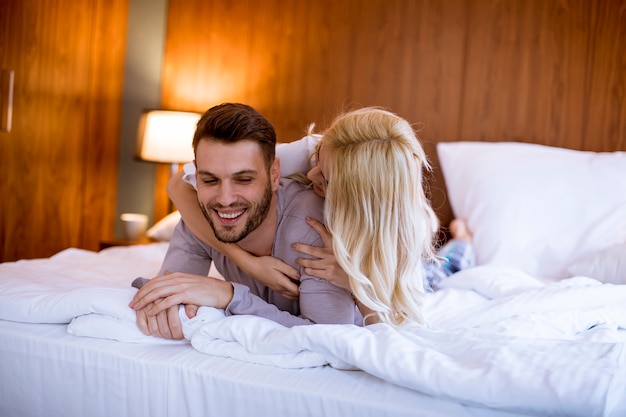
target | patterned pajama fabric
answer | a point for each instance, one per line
(454, 256)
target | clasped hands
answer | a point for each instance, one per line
(157, 302)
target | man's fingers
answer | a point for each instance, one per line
(150, 293)
(142, 322)
(164, 304)
(191, 310)
(163, 325)
(153, 326)
(175, 326)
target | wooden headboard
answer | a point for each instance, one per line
(541, 71)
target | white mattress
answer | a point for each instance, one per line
(499, 339)
(47, 372)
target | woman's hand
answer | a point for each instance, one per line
(323, 264)
(274, 273)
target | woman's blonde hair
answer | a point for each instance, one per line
(382, 224)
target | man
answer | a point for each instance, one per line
(245, 202)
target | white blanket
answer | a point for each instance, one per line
(496, 337)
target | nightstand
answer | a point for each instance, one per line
(107, 243)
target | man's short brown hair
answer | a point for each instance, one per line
(233, 122)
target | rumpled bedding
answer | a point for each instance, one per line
(496, 337)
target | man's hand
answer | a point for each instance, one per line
(162, 293)
(323, 264)
(165, 324)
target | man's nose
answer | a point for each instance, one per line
(226, 194)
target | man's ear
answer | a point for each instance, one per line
(275, 173)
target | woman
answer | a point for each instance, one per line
(380, 225)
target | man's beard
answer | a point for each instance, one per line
(257, 212)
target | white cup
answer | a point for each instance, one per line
(135, 225)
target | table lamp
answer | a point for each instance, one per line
(165, 136)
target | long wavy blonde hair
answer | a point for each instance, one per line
(382, 224)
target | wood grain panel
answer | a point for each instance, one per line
(546, 72)
(102, 121)
(49, 201)
(303, 62)
(38, 157)
(542, 71)
(522, 82)
(605, 83)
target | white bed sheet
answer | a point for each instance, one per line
(49, 369)
(47, 372)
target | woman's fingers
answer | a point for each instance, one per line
(288, 289)
(277, 275)
(284, 269)
(314, 251)
(320, 228)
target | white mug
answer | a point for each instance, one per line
(135, 225)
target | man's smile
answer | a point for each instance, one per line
(229, 215)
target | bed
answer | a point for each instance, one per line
(537, 328)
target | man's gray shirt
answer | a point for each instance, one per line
(320, 301)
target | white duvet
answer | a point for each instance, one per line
(496, 338)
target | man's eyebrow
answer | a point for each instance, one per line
(246, 172)
(242, 172)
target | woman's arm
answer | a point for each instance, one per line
(270, 271)
(323, 264)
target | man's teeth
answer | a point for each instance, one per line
(229, 215)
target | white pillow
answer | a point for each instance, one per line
(607, 265)
(164, 228)
(536, 207)
(295, 157)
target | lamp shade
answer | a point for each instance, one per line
(166, 136)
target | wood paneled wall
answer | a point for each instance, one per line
(541, 71)
(59, 162)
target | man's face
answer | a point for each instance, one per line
(234, 188)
